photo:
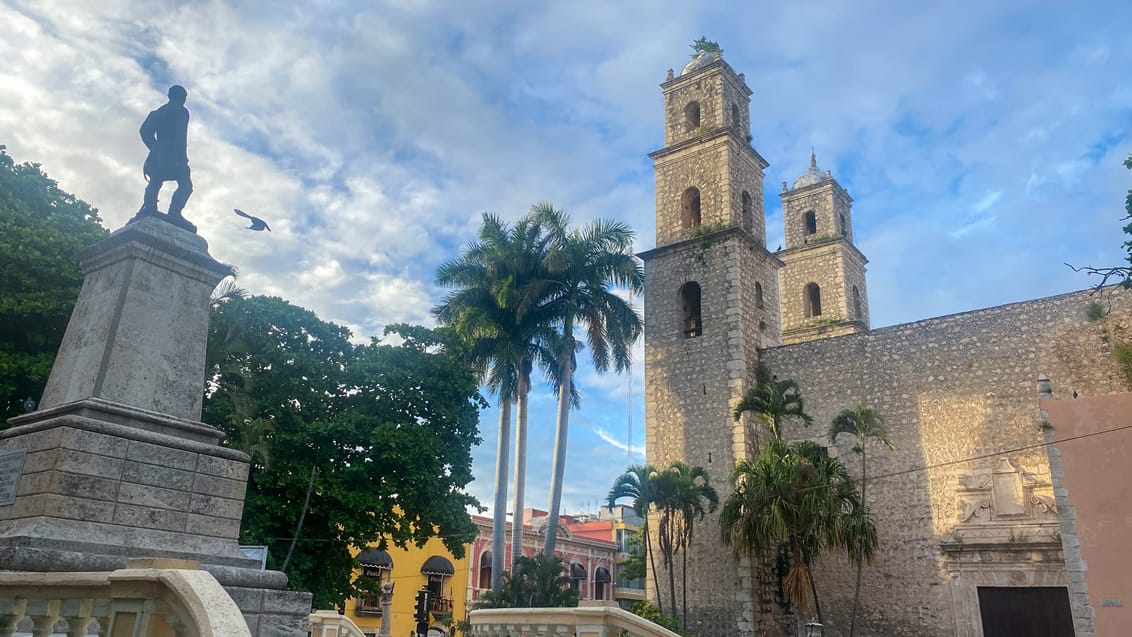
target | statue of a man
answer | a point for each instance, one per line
(165, 133)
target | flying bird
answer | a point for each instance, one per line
(257, 223)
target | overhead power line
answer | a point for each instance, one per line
(997, 453)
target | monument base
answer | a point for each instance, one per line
(103, 483)
(116, 465)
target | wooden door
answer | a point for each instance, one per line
(1036, 611)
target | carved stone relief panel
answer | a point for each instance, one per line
(1004, 493)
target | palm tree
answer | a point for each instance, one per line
(585, 264)
(534, 582)
(695, 491)
(794, 497)
(866, 424)
(681, 493)
(668, 531)
(774, 403)
(638, 483)
(525, 291)
(495, 309)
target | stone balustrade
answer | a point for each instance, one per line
(590, 619)
(328, 623)
(149, 598)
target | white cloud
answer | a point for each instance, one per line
(372, 136)
(987, 201)
(637, 450)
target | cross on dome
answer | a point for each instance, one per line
(813, 174)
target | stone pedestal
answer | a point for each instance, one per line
(139, 329)
(118, 464)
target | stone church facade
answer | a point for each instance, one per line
(964, 505)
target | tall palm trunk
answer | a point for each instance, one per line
(861, 562)
(520, 471)
(499, 519)
(814, 591)
(672, 586)
(684, 583)
(565, 391)
(652, 564)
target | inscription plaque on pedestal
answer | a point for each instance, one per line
(11, 467)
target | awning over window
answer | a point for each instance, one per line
(602, 575)
(577, 571)
(438, 565)
(374, 558)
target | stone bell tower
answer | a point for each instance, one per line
(823, 283)
(711, 300)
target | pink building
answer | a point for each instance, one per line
(591, 560)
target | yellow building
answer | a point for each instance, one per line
(410, 569)
(455, 585)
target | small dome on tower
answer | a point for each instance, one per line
(700, 60)
(813, 174)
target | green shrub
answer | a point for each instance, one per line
(1094, 311)
(1123, 353)
(701, 230)
(646, 610)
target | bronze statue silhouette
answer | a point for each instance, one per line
(165, 134)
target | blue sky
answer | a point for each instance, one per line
(982, 143)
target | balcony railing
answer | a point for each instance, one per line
(139, 601)
(368, 605)
(440, 605)
(589, 619)
(637, 583)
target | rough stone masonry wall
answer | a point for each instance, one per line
(701, 166)
(716, 88)
(746, 175)
(828, 201)
(950, 388)
(704, 88)
(821, 265)
(854, 275)
(736, 94)
(690, 385)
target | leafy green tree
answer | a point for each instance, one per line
(42, 228)
(586, 264)
(774, 403)
(682, 494)
(497, 310)
(795, 499)
(638, 484)
(634, 565)
(866, 425)
(534, 582)
(388, 427)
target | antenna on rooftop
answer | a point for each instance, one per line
(629, 447)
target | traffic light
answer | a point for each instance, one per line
(421, 614)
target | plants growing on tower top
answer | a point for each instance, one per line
(703, 44)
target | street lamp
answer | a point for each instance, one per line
(814, 628)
